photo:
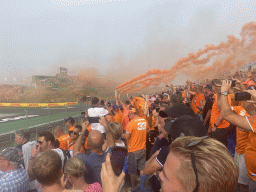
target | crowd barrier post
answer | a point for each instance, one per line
(26, 116)
(36, 133)
(49, 114)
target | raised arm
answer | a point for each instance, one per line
(146, 106)
(189, 88)
(116, 96)
(227, 113)
(78, 144)
(109, 134)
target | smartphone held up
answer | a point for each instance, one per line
(243, 96)
(117, 159)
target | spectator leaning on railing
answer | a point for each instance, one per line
(247, 124)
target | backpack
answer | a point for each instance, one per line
(67, 155)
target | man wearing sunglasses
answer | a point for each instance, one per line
(45, 141)
(74, 134)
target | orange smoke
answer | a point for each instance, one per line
(227, 56)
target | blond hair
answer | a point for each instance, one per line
(116, 129)
(75, 167)
(47, 167)
(216, 168)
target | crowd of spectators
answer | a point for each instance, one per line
(178, 140)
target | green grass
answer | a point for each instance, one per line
(25, 123)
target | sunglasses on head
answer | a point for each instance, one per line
(193, 160)
(155, 182)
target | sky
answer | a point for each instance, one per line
(120, 38)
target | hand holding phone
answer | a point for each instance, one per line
(242, 96)
(110, 182)
(117, 159)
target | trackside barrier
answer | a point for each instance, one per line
(8, 139)
(38, 104)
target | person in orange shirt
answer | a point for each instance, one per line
(118, 116)
(136, 134)
(125, 106)
(64, 140)
(241, 143)
(74, 134)
(219, 127)
(198, 100)
(70, 122)
(89, 129)
(247, 124)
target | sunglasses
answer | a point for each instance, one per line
(190, 146)
(40, 142)
(75, 133)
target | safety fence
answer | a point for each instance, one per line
(44, 123)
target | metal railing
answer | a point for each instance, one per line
(8, 139)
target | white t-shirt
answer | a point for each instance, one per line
(60, 152)
(96, 112)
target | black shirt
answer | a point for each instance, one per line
(208, 105)
(162, 156)
(160, 142)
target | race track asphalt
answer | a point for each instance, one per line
(12, 119)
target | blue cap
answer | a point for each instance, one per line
(209, 86)
(115, 107)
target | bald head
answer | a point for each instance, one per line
(58, 131)
(95, 140)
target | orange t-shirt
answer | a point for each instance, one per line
(184, 94)
(250, 149)
(65, 141)
(118, 117)
(125, 118)
(196, 102)
(216, 112)
(138, 129)
(89, 128)
(241, 136)
(233, 102)
(70, 148)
